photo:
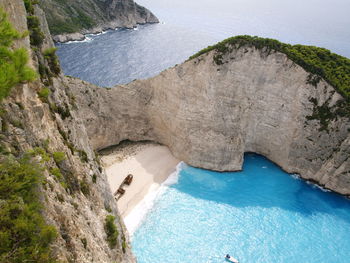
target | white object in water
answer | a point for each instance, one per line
(232, 259)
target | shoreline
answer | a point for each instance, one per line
(150, 164)
(81, 36)
(134, 219)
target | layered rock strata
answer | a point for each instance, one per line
(209, 115)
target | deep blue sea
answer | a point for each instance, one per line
(188, 26)
(259, 215)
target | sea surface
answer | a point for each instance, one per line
(259, 215)
(186, 27)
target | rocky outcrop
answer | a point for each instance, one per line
(77, 201)
(209, 114)
(70, 20)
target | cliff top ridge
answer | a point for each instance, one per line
(320, 62)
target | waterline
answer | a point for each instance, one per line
(139, 213)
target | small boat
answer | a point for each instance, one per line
(231, 259)
(128, 179)
(119, 193)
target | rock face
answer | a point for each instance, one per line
(78, 212)
(209, 115)
(70, 20)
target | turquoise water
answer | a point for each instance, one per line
(258, 215)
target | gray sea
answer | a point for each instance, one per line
(187, 26)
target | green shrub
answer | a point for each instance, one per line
(13, 63)
(111, 231)
(52, 59)
(83, 156)
(64, 111)
(7, 32)
(38, 151)
(44, 94)
(84, 187)
(108, 208)
(24, 235)
(331, 67)
(33, 21)
(60, 197)
(29, 6)
(124, 245)
(56, 172)
(84, 241)
(59, 157)
(43, 71)
(36, 36)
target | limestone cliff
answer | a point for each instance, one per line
(209, 111)
(75, 193)
(69, 20)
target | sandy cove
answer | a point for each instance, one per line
(149, 163)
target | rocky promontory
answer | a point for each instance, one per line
(229, 100)
(71, 20)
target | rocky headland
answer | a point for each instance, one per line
(232, 99)
(71, 20)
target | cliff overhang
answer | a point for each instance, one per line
(246, 94)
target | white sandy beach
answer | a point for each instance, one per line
(150, 164)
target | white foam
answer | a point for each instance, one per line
(86, 39)
(101, 33)
(295, 176)
(137, 215)
(313, 185)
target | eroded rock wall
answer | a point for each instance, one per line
(77, 206)
(210, 114)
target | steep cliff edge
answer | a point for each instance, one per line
(56, 203)
(224, 102)
(69, 20)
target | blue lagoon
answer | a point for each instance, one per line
(260, 214)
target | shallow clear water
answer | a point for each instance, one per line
(188, 26)
(258, 215)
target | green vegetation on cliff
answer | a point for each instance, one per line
(333, 68)
(68, 16)
(13, 63)
(52, 59)
(111, 231)
(24, 235)
(72, 25)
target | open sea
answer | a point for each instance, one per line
(259, 215)
(186, 27)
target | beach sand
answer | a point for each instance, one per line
(149, 163)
